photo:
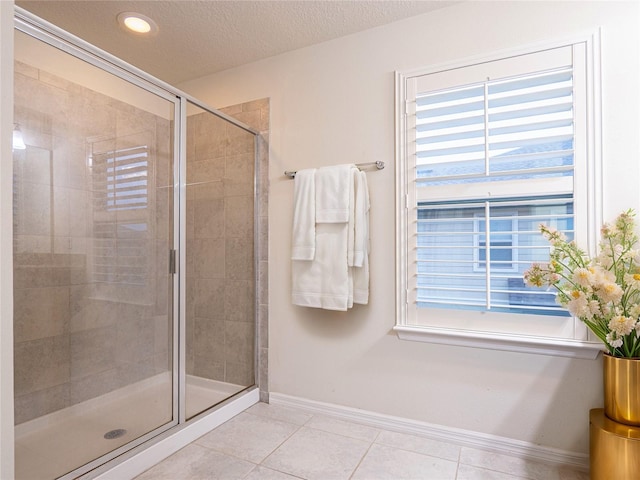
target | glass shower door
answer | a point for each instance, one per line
(95, 371)
(219, 256)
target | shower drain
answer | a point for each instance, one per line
(117, 433)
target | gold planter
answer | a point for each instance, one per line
(622, 389)
(614, 448)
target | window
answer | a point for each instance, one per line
(488, 150)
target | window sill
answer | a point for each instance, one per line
(494, 341)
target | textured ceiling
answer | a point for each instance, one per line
(197, 38)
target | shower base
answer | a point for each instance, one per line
(51, 446)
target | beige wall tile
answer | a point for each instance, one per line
(40, 312)
(85, 388)
(238, 217)
(135, 334)
(209, 217)
(240, 167)
(239, 258)
(209, 255)
(92, 351)
(209, 296)
(239, 301)
(41, 364)
(205, 170)
(41, 402)
(209, 337)
(239, 342)
(210, 139)
(239, 373)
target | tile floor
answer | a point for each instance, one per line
(272, 442)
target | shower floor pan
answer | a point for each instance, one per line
(52, 445)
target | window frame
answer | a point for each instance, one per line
(587, 199)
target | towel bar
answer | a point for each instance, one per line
(379, 165)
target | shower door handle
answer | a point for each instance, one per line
(172, 261)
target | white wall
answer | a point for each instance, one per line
(6, 240)
(333, 103)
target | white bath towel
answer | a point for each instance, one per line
(333, 185)
(303, 242)
(356, 234)
(360, 218)
(324, 281)
(360, 274)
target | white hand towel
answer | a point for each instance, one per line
(332, 193)
(303, 242)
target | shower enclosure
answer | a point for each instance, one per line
(134, 257)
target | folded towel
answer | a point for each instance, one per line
(360, 218)
(303, 245)
(333, 185)
(324, 281)
(360, 273)
(351, 229)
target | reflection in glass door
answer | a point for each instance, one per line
(93, 294)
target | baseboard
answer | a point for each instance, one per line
(467, 438)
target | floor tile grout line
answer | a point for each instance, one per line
(299, 427)
(362, 459)
(241, 458)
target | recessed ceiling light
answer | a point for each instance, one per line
(137, 23)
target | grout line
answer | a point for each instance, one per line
(361, 460)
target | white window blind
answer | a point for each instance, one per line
(498, 130)
(488, 151)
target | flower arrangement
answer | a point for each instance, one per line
(603, 292)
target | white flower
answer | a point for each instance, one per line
(633, 256)
(609, 292)
(583, 277)
(633, 280)
(622, 325)
(578, 305)
(613, 341)
(594, 309)
(605, 258)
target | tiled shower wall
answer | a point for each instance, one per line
(91, 283)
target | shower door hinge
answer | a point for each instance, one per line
(172, 261)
